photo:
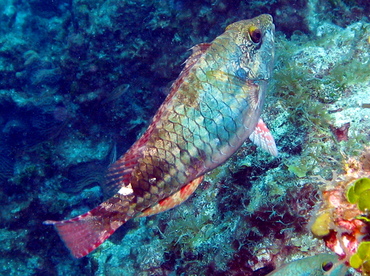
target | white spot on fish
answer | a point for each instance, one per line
(126, 190)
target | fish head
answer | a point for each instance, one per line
(255, 40)
(318, 265)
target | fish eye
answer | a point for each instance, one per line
(255, 34)
(327, 266)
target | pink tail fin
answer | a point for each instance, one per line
(86, 232)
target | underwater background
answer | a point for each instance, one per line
(80, 81)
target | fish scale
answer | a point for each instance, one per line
(213, 107)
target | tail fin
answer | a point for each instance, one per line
(86, 232)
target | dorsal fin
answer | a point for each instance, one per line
(118, 175)
(197, 51)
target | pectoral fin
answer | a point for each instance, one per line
(262, 137)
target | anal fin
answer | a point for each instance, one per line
(173, 200)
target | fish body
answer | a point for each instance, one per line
(213, 107)
(318, 265)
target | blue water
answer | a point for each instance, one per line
(79, 82)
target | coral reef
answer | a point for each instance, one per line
(81, 79)
(343, 219)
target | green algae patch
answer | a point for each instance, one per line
(359, 193)
(298, 170)
(361, 259)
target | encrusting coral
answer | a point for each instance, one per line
(343, 219)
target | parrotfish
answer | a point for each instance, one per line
(212, 108)
(318, 265)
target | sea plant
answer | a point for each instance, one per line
(361, 259)
(359, 193)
